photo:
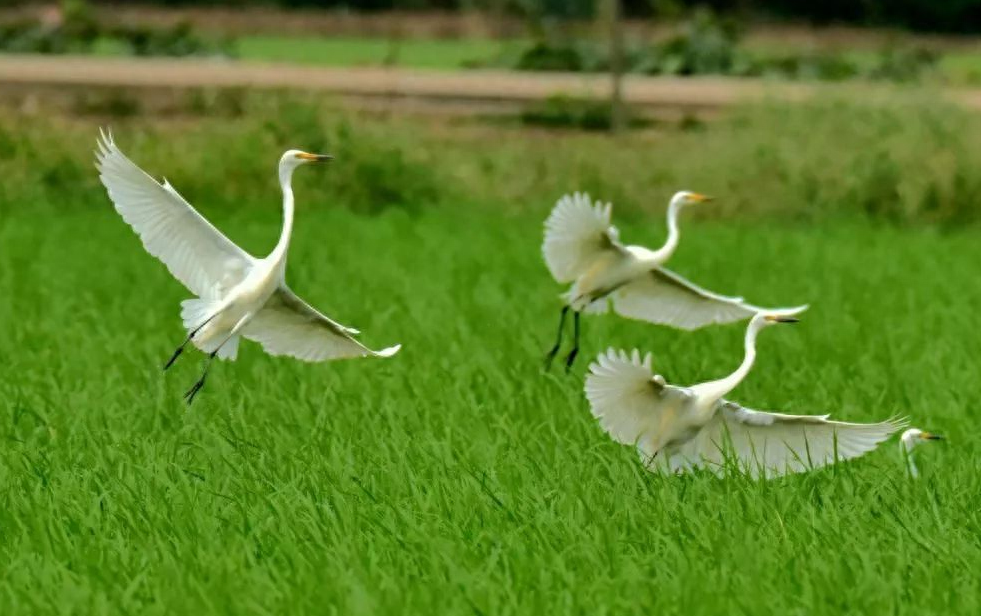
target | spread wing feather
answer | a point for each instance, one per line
(666, 298)
(287, 325)
(195, 252)
(770, 444)
(576, 233)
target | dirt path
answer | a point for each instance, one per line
(475, 87)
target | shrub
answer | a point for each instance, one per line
(561, 111)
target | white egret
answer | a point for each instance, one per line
(909, 440)
(582, 247)
(237, 294)
(676, 429)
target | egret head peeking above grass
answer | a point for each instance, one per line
(909, 440)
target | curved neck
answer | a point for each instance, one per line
(664, 252)
(715, 390)
(907, 451)
(279, 253)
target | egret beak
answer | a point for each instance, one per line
(315, 158)
(929, 436)
(775, 318)
(699, 198)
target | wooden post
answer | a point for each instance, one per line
(617, 115)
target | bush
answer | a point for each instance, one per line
(179, 40)
(709, 45)
(75, 30)
(560, 111)
(545, 57)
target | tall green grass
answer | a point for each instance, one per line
(911, 161)
(455, 477)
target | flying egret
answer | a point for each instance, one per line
(677, 429)
(909, 440)
(237, 294)
(582, 247)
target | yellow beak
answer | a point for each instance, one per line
(315, 158)
(699, 198)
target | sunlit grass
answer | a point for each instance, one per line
(342, 51)
(456, 477)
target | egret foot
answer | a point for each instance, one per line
(193, 391)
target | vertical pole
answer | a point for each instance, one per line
(617, 119)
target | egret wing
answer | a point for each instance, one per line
(632, 404)
(770, 444)
(195, 252)
(661, 296)
(576, 233)
(287, 325)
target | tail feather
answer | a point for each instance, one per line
(194, 312)
(229, 350)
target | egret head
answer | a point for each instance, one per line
(686, 197)
(914, 436)
(294, 158)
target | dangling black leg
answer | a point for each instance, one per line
(558, 341)
(575, 343)
(180, 349)
(177, 353)
(193, 391)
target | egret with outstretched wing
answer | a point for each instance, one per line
(237, 294)
(582, 247)
(676, 429)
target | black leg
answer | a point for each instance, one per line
(177, 353)
(575, 343)
(180, 349)
(558, 341)
(193, 391)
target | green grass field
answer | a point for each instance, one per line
(456, 477)
(956, 67)
(343, 51)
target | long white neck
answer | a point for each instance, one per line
(664, 253)
(907, 451)
(715, 390)
(278, 254)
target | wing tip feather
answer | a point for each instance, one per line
(388, 352)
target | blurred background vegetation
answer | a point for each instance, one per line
(903, 154)
(661, 37)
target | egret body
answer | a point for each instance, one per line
(581, 247)
(677, 429)
(238, 295)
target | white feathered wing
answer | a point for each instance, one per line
(577, 232)
(287, 325)
(635, 407)
(196, 253)
(663, 297)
